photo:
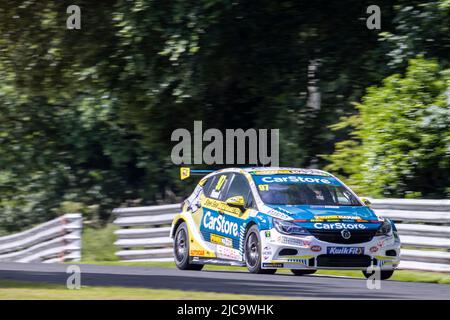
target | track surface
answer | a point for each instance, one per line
(321, 287)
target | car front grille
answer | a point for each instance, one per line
(343, 261)
(335, 236)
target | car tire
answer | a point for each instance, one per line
(181, 249)
(252, 252)
(384, 275)
(298, 272)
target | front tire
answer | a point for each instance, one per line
(181, 249)
(302, 272)
(252, 252)
(384, 274)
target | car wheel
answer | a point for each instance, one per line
(181, 249)
(252, 252)
(302, 272)
(384, 275)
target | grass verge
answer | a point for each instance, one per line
(18, 290)
(98, 244)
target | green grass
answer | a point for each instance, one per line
(17, 290)
(98, 244)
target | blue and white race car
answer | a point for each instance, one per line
(271, 218)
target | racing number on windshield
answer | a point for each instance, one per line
(219, 187)
(220, 183)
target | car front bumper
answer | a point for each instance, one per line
(308, 252)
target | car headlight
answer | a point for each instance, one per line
(385, 229)
(287, 227)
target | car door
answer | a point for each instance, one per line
(213, 226)
(229, 243)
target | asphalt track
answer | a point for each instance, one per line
(309, 287)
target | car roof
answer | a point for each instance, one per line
(286, 170)
(277, 170)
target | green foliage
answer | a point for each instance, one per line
(401, 138)
(98, 244)
(86, 115)
(420, 28)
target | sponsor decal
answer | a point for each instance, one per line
(316, 248)
(220, 223)
(373, 249)
(295, 179)
(292, 241)
(302, 261)
(339, 225)
(214, 238)
(272, 265)
(219, 206)
(286, 171)
(277, 214)
(337, 218)
(345, 250)
(199, 253)
(267, 234)
(267, 253)
(389, 240)
(227, 253)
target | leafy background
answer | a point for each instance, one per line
(86, 115)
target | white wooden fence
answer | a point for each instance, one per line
(423, 225)
(58, 240)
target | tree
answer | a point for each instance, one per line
(86, 115)
(420, 28)
(400, 144)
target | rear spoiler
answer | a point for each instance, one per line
(186, 172)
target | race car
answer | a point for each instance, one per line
(269, 218)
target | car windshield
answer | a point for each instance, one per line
(299, 190)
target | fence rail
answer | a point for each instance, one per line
(57, 240)
(423, 225)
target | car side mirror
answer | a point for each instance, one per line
(236, 202)
(366, 202)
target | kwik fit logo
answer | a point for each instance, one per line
(345, 250)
